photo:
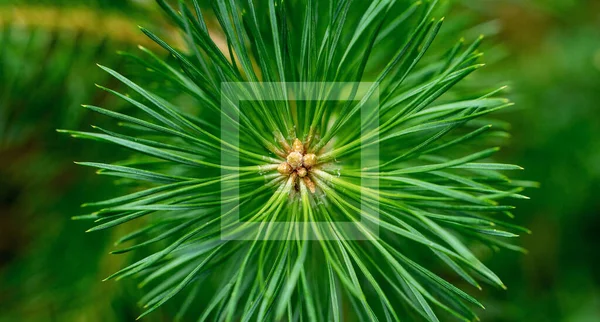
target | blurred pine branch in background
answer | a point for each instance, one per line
(48, 56)
(553, 61)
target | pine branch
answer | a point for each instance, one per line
(417, 165)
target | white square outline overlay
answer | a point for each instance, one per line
(272, 91)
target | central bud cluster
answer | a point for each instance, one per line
(298, 163)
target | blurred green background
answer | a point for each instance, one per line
(548, 51)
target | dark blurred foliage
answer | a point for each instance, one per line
(553, 65)
(50, 270)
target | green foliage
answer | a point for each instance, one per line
(434, 189)
(44, 77)
(555, 76)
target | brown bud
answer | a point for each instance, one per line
(279, 137)
(310, 160)
(297, 146)
(309, 184)
(285, 169)
(302, 172)
(295, 159)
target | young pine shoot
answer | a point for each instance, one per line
(240, 211)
